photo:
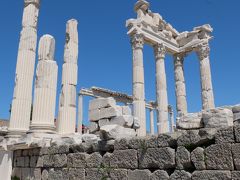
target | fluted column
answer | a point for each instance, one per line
(161, 89)
(66, 122)
(80, 113)
(203, 52)
(180, 87)
(139, 110)
(22, 97)
(151, 122)
(45, 88)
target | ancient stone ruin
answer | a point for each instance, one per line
(201, 146)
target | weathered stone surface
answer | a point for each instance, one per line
(76, 174)
(124, 159)
(106, 159)
(20, 162)
(89, 138)
(116, 131)
(159, 174)
(104, 113)
(55, 174)
(139, 175)
(217, 118)
(197, 157)
(93, 127)
(94, 160)
(60, 160)
(235, 175)
(45, 174)
(211, 175)
(136, 123)
(236, 155)
(124, 120)
(103, 122)
(236, 116)
(237, 132)
(36, 173)
(78, 160)
(183, 158)
(157, 158)
(126, 110)
(137, 143)
(121, 144)
(26, 161)
(118, 174)
(96, 173)
(225, 135)
(190, 121)
(180, 174)
(48, 160)
(26, 173)
(104, 146)
(102, 103)
(236, 108)
(219, 157)
(83, 147)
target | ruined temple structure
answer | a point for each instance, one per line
(201, 146)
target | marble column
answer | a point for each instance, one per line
(180, 88)
(151, 122)
(161, 89)
(80, 113)
(45, 88)
(66, 122)
(22, 97)
(139, 110)
(203, 52)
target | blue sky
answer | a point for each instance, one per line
(105, 57)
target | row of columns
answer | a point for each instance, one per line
(139, 111)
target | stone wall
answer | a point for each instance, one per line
(193, 154)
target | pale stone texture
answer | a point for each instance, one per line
(190, 121)
(101, 103)
(161, 89)
(67, 110)
(45, 88)
(139, 110)
(22, 98)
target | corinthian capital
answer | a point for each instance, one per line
(203, 51)
(36, 2)
(179, 58)
(159, 51)
(137, 41)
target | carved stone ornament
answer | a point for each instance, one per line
(179, 58)
(137, 41)
(203, 51)
(159, 51)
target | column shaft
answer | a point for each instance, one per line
(206, 80)
(139, 110)
(180, 88)
(151, 122)
(80, 113)
(161, 90)
(22, 98)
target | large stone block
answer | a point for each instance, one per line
(139, 174)
(96, 173)
(180, 174)
(126, 110)
(198, 159)
(237, 132)
(76, 174)
(159, 174)
(217, 118)
(104, 113)
(103, 122)
(118, 174)
(225, 135)
(190, 121)
(55, 174)
(48, 161)
(183, 158)
(219, 157)
(94, 160)
(93, 127)
(20, 162)
(78, 160)
(168, 140)
(60, 160)
(124, 159)
(211, 175)
(125, 120)
(236, 155)
(235, 175)
(156, 158)
(102, 103)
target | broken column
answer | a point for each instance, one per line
(45, 88)
(139, 110)
(80, 113)
(180, 88)
(203, 51)
(66, 122)
(22, 97)
(161, 89)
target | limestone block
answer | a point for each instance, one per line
(25, 63)
(180, 174)
(159, 174)
(237, 132)
(90, 138)
(125, 120)
(26, 161)
(83, 147)
(103, 122)
(28, 39)
(211, 174)
(156, 158)
(20, 162)
(55, 174)
(197, 157)
(46, 48)
(94, 160)
(136, 123)
(236, 155)
(219, 157)
(71, 30)
(30, 16)
(124, 159)
(68, 96)
(66, 120)
(217, 118)
(23, 87)
(104, 113)
(167, 140)
(190, 121)
(183, 158)
(126, 110)
(224, 135)
(69, 74)
(48, 161)
(45, 174)
(60, 160)
(93, 127)
(95, 173)
(121, 144)
(102, 103)
(116, 174)
(116, 131)
(71, 53)
(77, 160)
(139, 174)
(94, 115)
(235, 175)
(76, 174)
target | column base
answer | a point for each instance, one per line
(16, 133)
(42, 128)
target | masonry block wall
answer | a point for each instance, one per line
(195, 154)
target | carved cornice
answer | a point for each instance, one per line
(203, 51)
(137, 41)
(159, 51)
